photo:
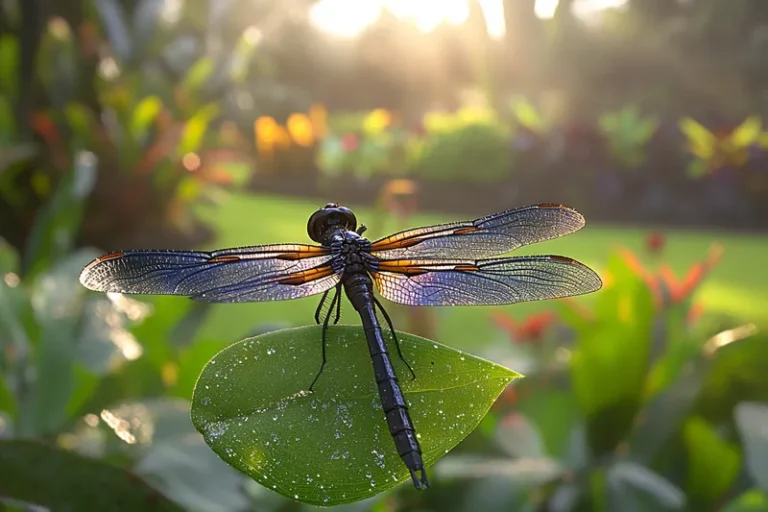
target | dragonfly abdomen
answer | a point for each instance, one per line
(359, 291)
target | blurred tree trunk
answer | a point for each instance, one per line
(523, 40)
(654, 11)
(479, 40)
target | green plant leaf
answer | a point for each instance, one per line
(753, 500)
(9, 56)
(701, 141)
(713, 464)
(747, 132)
(56, 226)
(611, 357)
(36, 473)
(144, 115)
(632, 487)
(518, 437)
(332, 446)
(554, 413)
(195, 128)
(198, 74)
(751, 420)
(664, 414)
(191, 362)
(526, 114)
(7, 399)
(524, 472)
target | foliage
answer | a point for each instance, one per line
(470, 145)
(364, 145)
(595, 423)
(628, 135)
(80, 370)
(329, 446)
(713, 151)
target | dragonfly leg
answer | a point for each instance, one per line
(394, 336)
(362, 229)
(325, 330)
(319, 309)
(338, 305)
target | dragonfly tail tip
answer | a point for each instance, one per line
(421, 482)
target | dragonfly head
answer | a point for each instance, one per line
(329, 219)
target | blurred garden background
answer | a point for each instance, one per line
(212, 124)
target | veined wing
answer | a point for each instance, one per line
(483, 282)
(483, 237)
(247, 274)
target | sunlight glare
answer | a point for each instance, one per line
(545, 9)
(345, 18)
(349, 18)
(584, 9)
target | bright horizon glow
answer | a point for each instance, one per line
(349, 18)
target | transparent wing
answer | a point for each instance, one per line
(484, 237)
(483, 282)
(247, 274)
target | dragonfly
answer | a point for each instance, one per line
(450, 264)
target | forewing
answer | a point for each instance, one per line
(483, 282)
(247, 274)
(484, 237)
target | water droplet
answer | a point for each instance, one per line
(215, 430)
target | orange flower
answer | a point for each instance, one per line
(680, 289)
(531, 330)
(665, 286)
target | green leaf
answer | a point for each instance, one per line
(9, 56)
(7, 399)
(632, 487)
(198, 74)
(60, 480)
(57, 299)
(528, 473)
(144, 115)
(702, 142)
(713, 464)
(665, 413)
(332, 446)
(81, 120)
(7, 128)
(554, 413)
(611, 357)
(526, 114)
(195, 128)
(747, 132)
(751, 501)
(191, 362)
(751, 420)
(56, 226)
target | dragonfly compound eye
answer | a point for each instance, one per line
(328, 219)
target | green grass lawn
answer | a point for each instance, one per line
(737, 286)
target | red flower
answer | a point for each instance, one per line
(531, 330)
(655, 242)
(350, 142)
